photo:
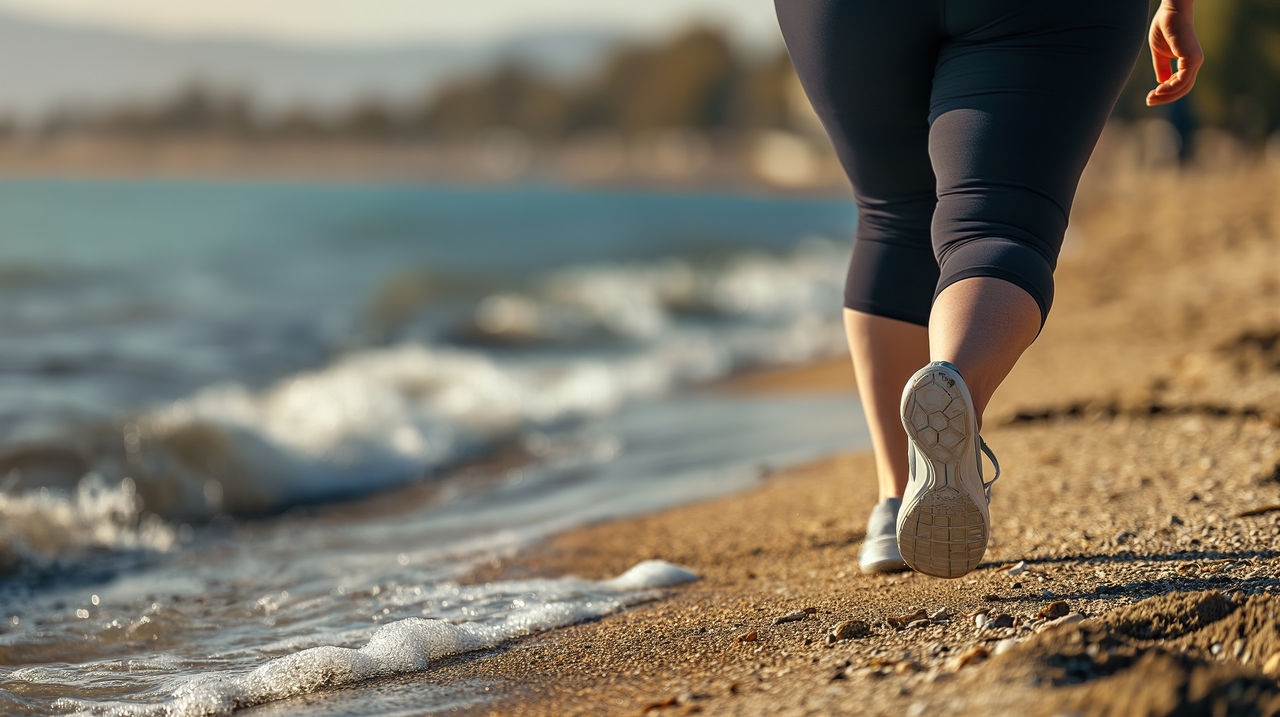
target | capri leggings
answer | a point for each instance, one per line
(964, 126)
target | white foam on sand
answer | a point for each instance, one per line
(409, 645)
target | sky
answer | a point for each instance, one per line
(380, 21)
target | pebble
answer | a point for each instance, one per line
(848, 630)
(748, 636)
(940, 614)
(1064, 620)
(790, 617)
(906, 666)
(980, 620)
(903, 620)
(1017, 568)
(1054, 610)
(1271, 668)
(974, 654)
(659, 705)
(1001, 620)
(1004, 645)
(1215, 648)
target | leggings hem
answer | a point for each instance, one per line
(888, 312)
(995, 272)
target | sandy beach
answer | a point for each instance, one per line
(1134, 563)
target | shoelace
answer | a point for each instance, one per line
(987, 450)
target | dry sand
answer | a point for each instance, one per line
(1141, 444)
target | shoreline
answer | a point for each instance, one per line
(1146, 415)
(478, 164)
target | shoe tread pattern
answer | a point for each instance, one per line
(943, 532)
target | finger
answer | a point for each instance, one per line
(1186, 47)
(1154, 98)
(1175, 88)
(1181, 82)
(1160, 57)
(1191, 61)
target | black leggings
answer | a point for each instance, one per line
(964, 126)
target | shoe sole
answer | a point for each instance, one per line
(942, 531)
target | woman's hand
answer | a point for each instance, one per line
(1173, 36)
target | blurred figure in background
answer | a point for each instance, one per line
(964, 133)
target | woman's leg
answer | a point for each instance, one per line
(1020, 95)
(867, 68)
(885, 353)
(981, 326)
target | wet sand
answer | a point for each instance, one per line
(1140, 509)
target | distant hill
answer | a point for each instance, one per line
(45, 65)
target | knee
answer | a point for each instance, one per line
(1003, 233)
(1000, 258)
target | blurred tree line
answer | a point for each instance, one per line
(696, 82)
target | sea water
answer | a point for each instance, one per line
(253, 436)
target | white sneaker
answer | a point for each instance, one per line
(879, 553)
(944, 521)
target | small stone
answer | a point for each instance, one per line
(974, 654)
(660, 704)
(790, 617)
(1175, 520)
(1237, 648)
(940, 614)
(748, 636)
(1017, 568)
(1004, 645)
(922, 622)
(991, 597)
(1054, 610)
(1064, 620)
(1271, 668)
(1001, 620)
(809, 610)
(1215, 648)
(848, 630)
(906, 667)
(980, 620)
(903, 620)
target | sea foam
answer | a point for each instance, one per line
(373, 418)
(409, 645)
